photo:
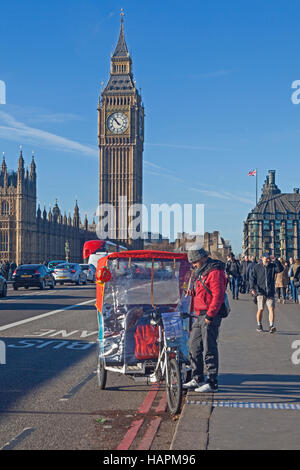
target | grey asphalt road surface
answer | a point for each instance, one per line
(49, 395)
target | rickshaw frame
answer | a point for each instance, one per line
(166, 353)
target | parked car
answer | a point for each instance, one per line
(3, 286)
(32, 275)
(70, 272)
(90, 271)
(53, 264)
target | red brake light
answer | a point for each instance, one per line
(73, 271)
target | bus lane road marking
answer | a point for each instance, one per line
(44, 315)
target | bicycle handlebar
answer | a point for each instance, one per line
(156, 317)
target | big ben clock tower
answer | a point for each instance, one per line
(120, 139)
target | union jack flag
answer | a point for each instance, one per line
(252, 173)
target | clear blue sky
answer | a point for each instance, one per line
(216, 84)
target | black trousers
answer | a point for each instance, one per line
(203, 348)
(281, 291)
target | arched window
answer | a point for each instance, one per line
(5, 208)
(3, 240)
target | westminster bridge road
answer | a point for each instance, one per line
(49, 397)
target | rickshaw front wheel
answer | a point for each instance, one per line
(101, 374)
(174, 386)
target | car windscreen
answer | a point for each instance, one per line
(66, 266)
(27, 269)
(53, 264)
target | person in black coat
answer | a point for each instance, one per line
(252, 263)
(244, 268)
(233, 270)
(262, 285)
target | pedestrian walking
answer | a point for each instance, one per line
(293, 290)
(296, 279)
(12, 269)
(233, 270)
(208, 291)
(262, 285)
(244, 268)
(282, 281)
(253, 261)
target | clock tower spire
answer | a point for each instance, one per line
(120, 140)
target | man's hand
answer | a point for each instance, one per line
(253, 292)
(208, 322)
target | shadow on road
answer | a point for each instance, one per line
(32, 362)
(270, 387)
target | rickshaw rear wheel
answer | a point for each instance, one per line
(101, 374)
(174, 387)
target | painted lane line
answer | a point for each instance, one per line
(44, 315)
(147, 403)
(77, 387)
(20, 297)
(149, 435)
(130, 435)
(19, 438)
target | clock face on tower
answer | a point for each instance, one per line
(117, 123)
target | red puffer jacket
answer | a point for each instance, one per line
(213, 276)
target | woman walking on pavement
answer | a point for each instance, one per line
(291, 283)
(297, 279)
(282, 281)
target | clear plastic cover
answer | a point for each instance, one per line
(136, 286)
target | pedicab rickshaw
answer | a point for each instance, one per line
(143, 318)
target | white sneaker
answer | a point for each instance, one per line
(191, 384)
(208, 387)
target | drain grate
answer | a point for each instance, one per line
(250, 405)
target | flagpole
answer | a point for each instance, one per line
(256, 183)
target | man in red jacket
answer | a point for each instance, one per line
(208, 296)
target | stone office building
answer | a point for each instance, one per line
(274, 224)
(29, 235)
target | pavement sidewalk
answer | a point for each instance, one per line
(258, 403)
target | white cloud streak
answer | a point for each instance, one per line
(12, 129)
(188, 147)
(162, 172)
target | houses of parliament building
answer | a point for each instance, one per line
(29, 235)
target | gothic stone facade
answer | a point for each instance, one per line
(28, 235)
(274, 224)
(120, 139)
